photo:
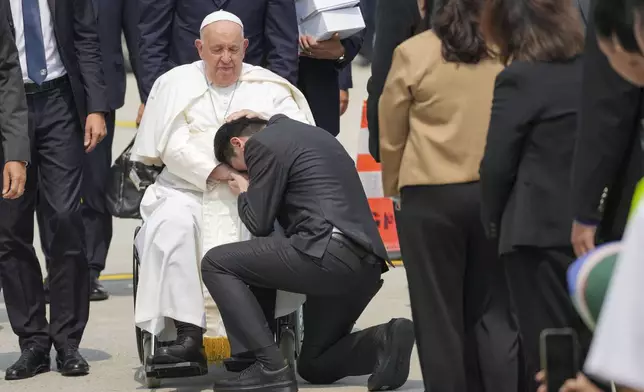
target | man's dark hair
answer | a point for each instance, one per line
(533, 30)
(241, 127)
(616, 18)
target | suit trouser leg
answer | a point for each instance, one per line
(537, 281)
(96, 219)
(337, 291)
(56, 173)
(446, 261)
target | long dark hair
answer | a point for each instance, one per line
(533, 30)
(456, 23)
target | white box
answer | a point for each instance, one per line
(345, 21)
(308, 8)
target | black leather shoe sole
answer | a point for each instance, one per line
(39, 370)
(285, 386)
(98, 295)
(393, 371)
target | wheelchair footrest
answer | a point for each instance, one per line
(176, 370)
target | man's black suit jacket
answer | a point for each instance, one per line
(78, 45)
(303, 176)
(608, 152)
(14, 133)
(169, 29)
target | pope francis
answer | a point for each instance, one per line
(190, 208)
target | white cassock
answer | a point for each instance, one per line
(617, 350)
(184, 216)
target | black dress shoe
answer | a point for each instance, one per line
(257, 378)
(392, 367)
(239, 363)
(71, 363)
(97, 291)
(31, 363)
(184, 349)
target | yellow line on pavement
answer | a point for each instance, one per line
(126, 124)
(110, 277)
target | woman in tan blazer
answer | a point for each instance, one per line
(434, 112)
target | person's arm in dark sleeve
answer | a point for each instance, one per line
(352, 44)
(268, 177)
(345, 79)
(511, 114)
(610, 112)
(88, 51)
(14, 132)
(130, 20)
(395, 22)
(281, 37)
(155, 29)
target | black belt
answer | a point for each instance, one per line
(356, 249)
(33, 88)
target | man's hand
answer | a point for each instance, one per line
(579, 384)
(139, 115)
(344, 101)
(95, 130)
(244, 113)
(238, 184)
(331, 49)
(582, 238)
(14, 177)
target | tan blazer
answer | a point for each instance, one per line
(433, 116)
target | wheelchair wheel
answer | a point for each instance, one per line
(135, 284)
(299, 330)
(288, 345)
(149, 346)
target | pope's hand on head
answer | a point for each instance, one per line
(243, 113)
(330, 49)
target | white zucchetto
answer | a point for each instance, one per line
(219, 16)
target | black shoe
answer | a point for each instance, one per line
(97, 291)
(184, 349)
(256, 377)
(31, 363)
(71, 363)
(392, 367)
(239, 363)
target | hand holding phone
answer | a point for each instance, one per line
(559, 356)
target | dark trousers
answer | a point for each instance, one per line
(318, 81)
(537, 281)
(96, 218)
(466, 335)
(338, 287)
(55, 175)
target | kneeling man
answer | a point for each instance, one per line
(190, 207)
(332, 252)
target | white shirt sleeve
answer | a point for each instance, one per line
(617, 351)
(183, 159)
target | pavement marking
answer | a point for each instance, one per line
(126, 124)
(110, 277)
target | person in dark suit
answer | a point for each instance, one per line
(14, 136)
(169, 29)
(61, 68)
(396, 21)
(320, 62)
(526, 168)
(331, 251)
(114, 17)
(608, 157)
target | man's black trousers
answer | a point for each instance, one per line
(338, 287)
(55, 174)
(96, 218)
(467, 338)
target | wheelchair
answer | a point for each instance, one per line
(289, 336)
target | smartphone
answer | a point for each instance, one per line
(559, 356)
